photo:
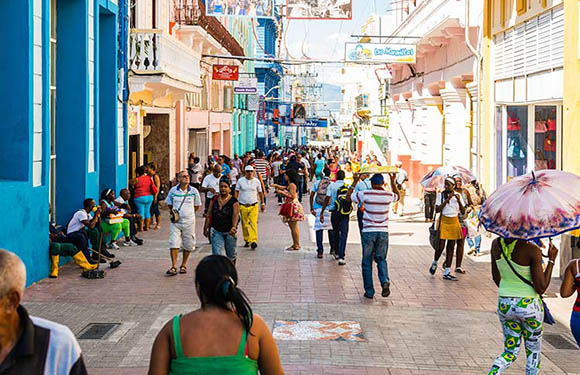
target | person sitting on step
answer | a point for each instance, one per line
(113, 221)
(87, 219)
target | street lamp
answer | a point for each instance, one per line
(273, 88)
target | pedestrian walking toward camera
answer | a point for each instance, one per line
(250, 194)
(375, 232)
(211, 185)
(221, 222)
(183, 201)
(401, 181)
(449, 205)
(465, 196)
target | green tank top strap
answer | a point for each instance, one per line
(507, 249)
(242, 350)
(176, 337)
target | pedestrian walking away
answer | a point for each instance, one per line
(375, 232)
(571, 284)
(401, 180)
(144, 191)
(203, 341)
(339, 216)
(317, 198)
(466, 197)
(155, 213)
(291, 211)
(516, 268)
(183, 201)
(221, 223)
(249, 194)
(363, 184)
(449, 204)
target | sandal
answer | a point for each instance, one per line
(292, 248)
(171, 272)
(460, 270)
(182, 269)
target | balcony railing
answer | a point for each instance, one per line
(153, 52)
(192, 13)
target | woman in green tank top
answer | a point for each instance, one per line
(222, 337)
(520, 309)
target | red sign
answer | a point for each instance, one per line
(225, 73)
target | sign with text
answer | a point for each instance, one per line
(261, 109)
(380, 52)
(319, 10)
(240, 8)
(246, 86)
(252, 102)
(225, 72)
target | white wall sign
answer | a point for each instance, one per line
(379, 52)
(246, 86)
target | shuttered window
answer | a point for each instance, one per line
(533, 46)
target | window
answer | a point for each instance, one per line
(517, 140)
(545, 120)
(215, 97)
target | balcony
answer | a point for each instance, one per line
(153, 53)
(192, 13)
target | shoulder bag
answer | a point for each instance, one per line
(174, 214)
(435, 234)
(548, 318)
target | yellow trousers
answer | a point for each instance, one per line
(249, 223)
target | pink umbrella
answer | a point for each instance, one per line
(535, 205)
(436, 178)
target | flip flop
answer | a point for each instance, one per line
(171, 272)
(182, 269)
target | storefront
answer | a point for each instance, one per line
(528, 87)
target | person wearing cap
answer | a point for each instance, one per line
(449, 205)
(401, 181)
(249, 193)
(375, 231)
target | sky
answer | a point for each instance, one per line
(324, 39)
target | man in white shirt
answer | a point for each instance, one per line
(211, 186)
(196, 173)
(186, 201)
(401, 181)
(249, 193)
(375, 232)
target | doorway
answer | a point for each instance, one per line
(156, 142)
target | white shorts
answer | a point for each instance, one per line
(182, 236)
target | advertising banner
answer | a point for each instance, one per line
(240, 8)
(380, 52)
(246, 86)
(298, 114)
(225, 72)
(316, 123)
(319, 9)
(261, 109)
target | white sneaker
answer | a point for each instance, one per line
(129, 243)
(114, 246)
(341, 262)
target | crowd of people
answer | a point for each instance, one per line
(236, 191)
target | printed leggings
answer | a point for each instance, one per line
(115, 229)
(520, 317)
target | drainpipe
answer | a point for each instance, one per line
(478, 92)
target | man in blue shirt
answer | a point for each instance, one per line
(339, 232)
(225, 168)
(317, 195)
(362, 185)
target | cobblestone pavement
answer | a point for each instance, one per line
(426, 326)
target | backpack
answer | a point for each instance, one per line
(343, 202)
(322, 189)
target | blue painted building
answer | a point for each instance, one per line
(269, 76)
(64, 128)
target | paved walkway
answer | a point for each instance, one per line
(426, 326)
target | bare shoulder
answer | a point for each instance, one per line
(259, 326)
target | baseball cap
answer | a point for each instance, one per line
(248, 168)
(253, 155)
(377, 179)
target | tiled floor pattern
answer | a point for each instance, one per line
(298, 330)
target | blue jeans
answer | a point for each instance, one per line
(319, 245)
(477, 243)
(338, 234)
(300, 187)
(359, 219)
(144, 205)
(221, 241)
(575, 326)
(375, 245)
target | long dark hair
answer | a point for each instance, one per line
(292, 176)
(217, 278)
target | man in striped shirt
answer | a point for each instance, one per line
(375, 232)
(262, 168)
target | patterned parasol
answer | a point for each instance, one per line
(436, 178)
(535, 205)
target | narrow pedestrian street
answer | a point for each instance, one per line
(316, 309)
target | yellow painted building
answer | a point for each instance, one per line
(530, 88)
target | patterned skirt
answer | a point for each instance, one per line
(297, 212)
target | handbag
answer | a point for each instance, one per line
(116, 219)
(551, 124)
(549, 144)
(548, 318)
(435, 234)
(513, 123)
(286, 209)
(540, 162)
(514, 149)
(541, 127)
(174, 214)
